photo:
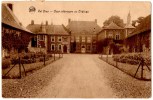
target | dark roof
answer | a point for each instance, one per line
(47, 29)
(145, 25)
(10, 19)
(112, 25)
(86, 27)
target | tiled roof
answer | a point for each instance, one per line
(49, 29)
(59, 29)
(145, 25)
(87, 27)
(10, 19)
(112, 25)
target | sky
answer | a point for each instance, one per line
(99, 10)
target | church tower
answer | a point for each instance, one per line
(129, 18)
(128, 28)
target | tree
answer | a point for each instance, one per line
(138, 21)
(116, 19)
(13, 40)
(103, 43)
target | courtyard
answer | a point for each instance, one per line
(77, 76)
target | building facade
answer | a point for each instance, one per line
(83, 36)
(140, 39)
(116, 36)
(15, 37)
(49, 38)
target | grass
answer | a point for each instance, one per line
(29, 68)
(128, 68)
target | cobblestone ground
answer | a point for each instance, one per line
(77, 76)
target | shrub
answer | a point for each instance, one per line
(26, 57)
(6, 63)
(14, 61)
(133, 58)
(7, 57)
(41, 59)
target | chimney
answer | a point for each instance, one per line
(95, 20)
(32, 22)
(10, 5)
(46, 22)
(69, 20)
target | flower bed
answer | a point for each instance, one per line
(133, 58)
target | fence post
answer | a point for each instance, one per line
(142, 69)
(44, 59)
(59, 54)
(62, 54)
(19, 61)
(116, 64)
(107, 58)
(54, 55)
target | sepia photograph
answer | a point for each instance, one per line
(76, 49)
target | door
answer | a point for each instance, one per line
(65, 49)
(83, 49)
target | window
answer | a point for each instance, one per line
(110, 35)
(41, 37)
(59, 47)
(88, 39)
(72, 39)
(59, 39)
(83, 39)
(52, 47)
(117, 37)
(65, 39)
(52, 38)
(94, 39)
(77, 39)
(88, 47)
(34, 42)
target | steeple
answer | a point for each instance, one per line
(129, 18)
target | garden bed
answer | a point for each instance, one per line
(29, 65)
(129, 64)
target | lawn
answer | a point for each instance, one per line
(29, 68)
(128, 68)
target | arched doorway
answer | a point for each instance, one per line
(65, 48)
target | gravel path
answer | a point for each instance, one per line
(80, 76)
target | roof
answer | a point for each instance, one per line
(47, 29)
(59, 29)
(10, 19)
(86, 27)
(112, 25)
(129, 26)
(145, 25)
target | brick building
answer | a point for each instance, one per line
(83, 36)
(116, 35)
(15, 37)
(140, 39)
(49, 38)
